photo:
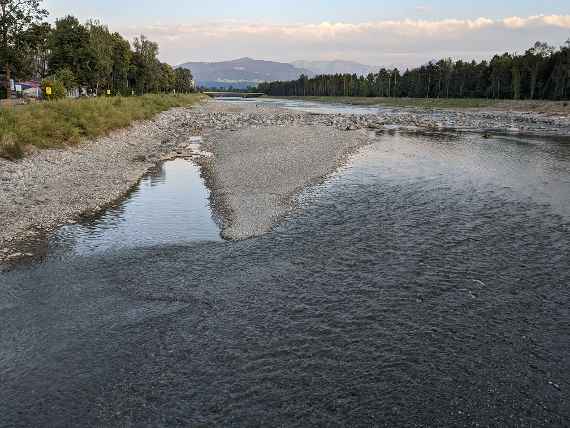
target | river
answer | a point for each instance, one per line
(426, 283)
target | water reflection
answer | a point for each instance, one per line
(169, 206)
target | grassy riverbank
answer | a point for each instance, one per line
(448, 103)
(65, 122)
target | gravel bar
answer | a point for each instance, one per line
(263, 156)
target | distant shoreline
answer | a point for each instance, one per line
(522, 106)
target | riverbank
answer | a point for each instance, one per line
(528, 106)
(263, 155)
(50, 188)
(66, 122)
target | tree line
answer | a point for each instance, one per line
(79, 56)
(542, 72)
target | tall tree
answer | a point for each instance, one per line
(101, 46)
(70, 48)
(534, 59)
(32, 61)
(122, 56)
(16, 18)
(183, 81)
(145, 66)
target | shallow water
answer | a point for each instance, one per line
(425, 284)
(169, 206)
(307, 106)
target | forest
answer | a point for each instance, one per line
(542, 72)
(87, 58)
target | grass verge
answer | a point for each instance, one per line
(65, 122)
(561, 107)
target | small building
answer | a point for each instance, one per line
(28, 89)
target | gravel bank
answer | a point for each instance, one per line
(263, 156)
(53, 187)
(256, 172)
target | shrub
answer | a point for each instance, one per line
(58, 90)
(66, 77)
(10, 148)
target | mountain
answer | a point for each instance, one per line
(241, 73)
(336, 66)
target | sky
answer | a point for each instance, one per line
(402, 33)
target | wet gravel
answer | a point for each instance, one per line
(54, 187)
(424, 284)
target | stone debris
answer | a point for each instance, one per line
(53, 187)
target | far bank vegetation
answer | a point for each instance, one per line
(82, 58)
(541, 73)
(71, 58)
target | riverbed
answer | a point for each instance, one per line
(423, 282)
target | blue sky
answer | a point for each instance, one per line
(395, 32)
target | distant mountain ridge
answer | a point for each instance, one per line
(242, 72)
(247, 72)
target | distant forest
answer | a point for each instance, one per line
(542, 72)
(72, 55)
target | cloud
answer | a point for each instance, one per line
(423, 8)
(402, 42)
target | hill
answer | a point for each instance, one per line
(336, 66)
(242, 73)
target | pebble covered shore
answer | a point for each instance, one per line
(51, 188)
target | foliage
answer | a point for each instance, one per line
(66, 77)
(542, 72)
(16, 18)
(63, 122)
(183, 80)
(10, 148)
(58, 89)
(69, 45)
(97, 59)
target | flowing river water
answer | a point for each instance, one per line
(426, 283)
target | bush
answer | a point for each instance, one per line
(10, 148)
(58, 90)
(66, 76)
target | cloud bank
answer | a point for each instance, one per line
(400, 43)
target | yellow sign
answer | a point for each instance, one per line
(48, 90)
(108, 92)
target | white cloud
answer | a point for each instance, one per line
(404, 42)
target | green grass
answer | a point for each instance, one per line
(66, 122)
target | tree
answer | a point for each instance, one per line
(183, 80)
(534, 59)
(70, 48)
(16, 18)
(66, 77)
(145, 65)
(32, 62)
(122, 56)
(101, 46)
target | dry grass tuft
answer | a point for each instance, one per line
(65, 122)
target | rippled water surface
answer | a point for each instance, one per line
(425, 284)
